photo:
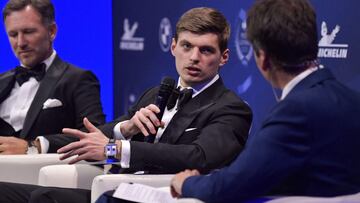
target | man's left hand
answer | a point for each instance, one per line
(90, 147)
(12, 145)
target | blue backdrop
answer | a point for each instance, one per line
(92, 35)
(142, 32)
(84, 39)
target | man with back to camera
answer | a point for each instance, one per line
(307, 143)
(45, 94)
(205, 133)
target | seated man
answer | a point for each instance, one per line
(206, 133)
(308, 144)
(45, 94)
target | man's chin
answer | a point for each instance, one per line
(28, 63)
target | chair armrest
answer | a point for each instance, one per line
(69, 176)
(103, 183)
(188, 200)
(25, 168)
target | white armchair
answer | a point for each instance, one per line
(105, 183)
(81, 176)
(89, 177)
(69, 176)
(25, 168)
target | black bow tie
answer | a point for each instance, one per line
(23, 74)
(184, 96)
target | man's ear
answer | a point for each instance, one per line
(263, 60)
(173, 45)
(52, 31)
(224, 57)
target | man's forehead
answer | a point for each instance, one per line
(209, 39)
(27, 11)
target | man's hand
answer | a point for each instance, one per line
(12, 145)
(90, 146)
(144, 121)
(178, 180)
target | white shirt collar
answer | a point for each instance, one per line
(290, 85)
(197, 89)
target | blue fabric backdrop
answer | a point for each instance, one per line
(142, 31)
(84, 39)
(92, 32)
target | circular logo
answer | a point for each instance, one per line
(244, 49)
(165, 34)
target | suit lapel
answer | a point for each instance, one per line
(7, 82)
(185, 116)
(47, 85)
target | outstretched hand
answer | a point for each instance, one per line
(89, 147)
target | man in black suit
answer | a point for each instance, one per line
(205, 133)
(45, 94)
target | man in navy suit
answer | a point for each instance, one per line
(309, 143)
(45, 94)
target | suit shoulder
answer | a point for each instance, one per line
(232, 97)
(77, 72)
(75, 69)
(7, 73)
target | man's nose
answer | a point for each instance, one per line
(195, 55)
(21, 40)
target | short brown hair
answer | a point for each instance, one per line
(44, 7)
(286, 30)
(205, 20)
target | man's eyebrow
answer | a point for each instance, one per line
(184, 41)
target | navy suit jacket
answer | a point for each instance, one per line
(308, 145)
(77, 89)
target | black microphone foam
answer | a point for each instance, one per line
(166, 88)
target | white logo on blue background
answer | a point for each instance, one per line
(244, 49)
(327, 47)
(165, 34)
(128, 41)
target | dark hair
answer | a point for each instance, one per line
(205, 20)
(286, 30)
(44, 7)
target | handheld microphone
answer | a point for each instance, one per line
(166, 88)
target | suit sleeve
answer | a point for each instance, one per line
(279, 150)
(85, 102)
(218, 142)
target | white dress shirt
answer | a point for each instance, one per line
(168, 115)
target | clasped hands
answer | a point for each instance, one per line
(12, 145)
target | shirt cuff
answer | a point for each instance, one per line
(125, 154)
(117, 132)
(44, 144)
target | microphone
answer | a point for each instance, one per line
(166, 88)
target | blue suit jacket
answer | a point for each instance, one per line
(308, 145)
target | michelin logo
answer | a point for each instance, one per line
(128, 41)
(326, 47)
